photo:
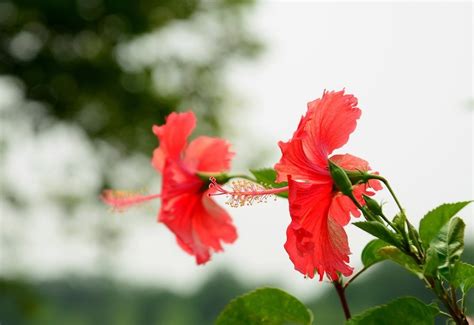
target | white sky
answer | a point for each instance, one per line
(409, 64)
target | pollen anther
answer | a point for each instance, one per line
(243, 192)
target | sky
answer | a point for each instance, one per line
(410, 66)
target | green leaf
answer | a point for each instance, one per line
(380, 231)
(431, 263)
(370, 254)
(265, 306)
(447, 247)
(463, 276)
(266, 177)
(434, 220)
(394, 254)
(377, 250)
(406, 310)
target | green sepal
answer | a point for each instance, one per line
(340, 179)
(415, 237)
(399, 221)
(359, 176)
(220, 178)
(372, 205)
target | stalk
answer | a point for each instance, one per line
(449, 300)
(342, 298)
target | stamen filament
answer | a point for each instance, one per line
(244, 192)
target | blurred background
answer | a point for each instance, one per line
(82, 82)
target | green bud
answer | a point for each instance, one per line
(414, 236)
(358, 176)
(372, 205)
(340, 178)
(399, 222)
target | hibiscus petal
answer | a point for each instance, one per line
(332, 119)
(294, 162)
(350, 162)
(178, 216)
(208, 155)
(315, 240)
(366, 189)
(198, 223)
(341, 209)
(213, 224)
(375, 184)
(158, 159)
(173, 136)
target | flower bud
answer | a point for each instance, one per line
(358, 176)
(372, 205)
(340, 178)
(399, 222)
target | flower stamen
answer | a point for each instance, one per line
(244, 192)
(120, 201)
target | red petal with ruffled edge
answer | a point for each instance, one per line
(326, 126)
(208, 155)
(350, 162)
(331, 121)
(202, 227)
(294, 162)
(315, 240)
(199, 224)
(315, 237)
(173, 136)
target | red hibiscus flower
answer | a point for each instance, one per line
(200, 225)
(316, 239)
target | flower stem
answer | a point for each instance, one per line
(354, 277)
(448, 298)
(409, 225)
(388, 222)
(387, 184)
(342, 298)
(368, 212)
(456, 314)
(435, 284)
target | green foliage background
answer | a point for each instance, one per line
(74, 57)
(84, 64)
(105, 71)
(102, 301)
